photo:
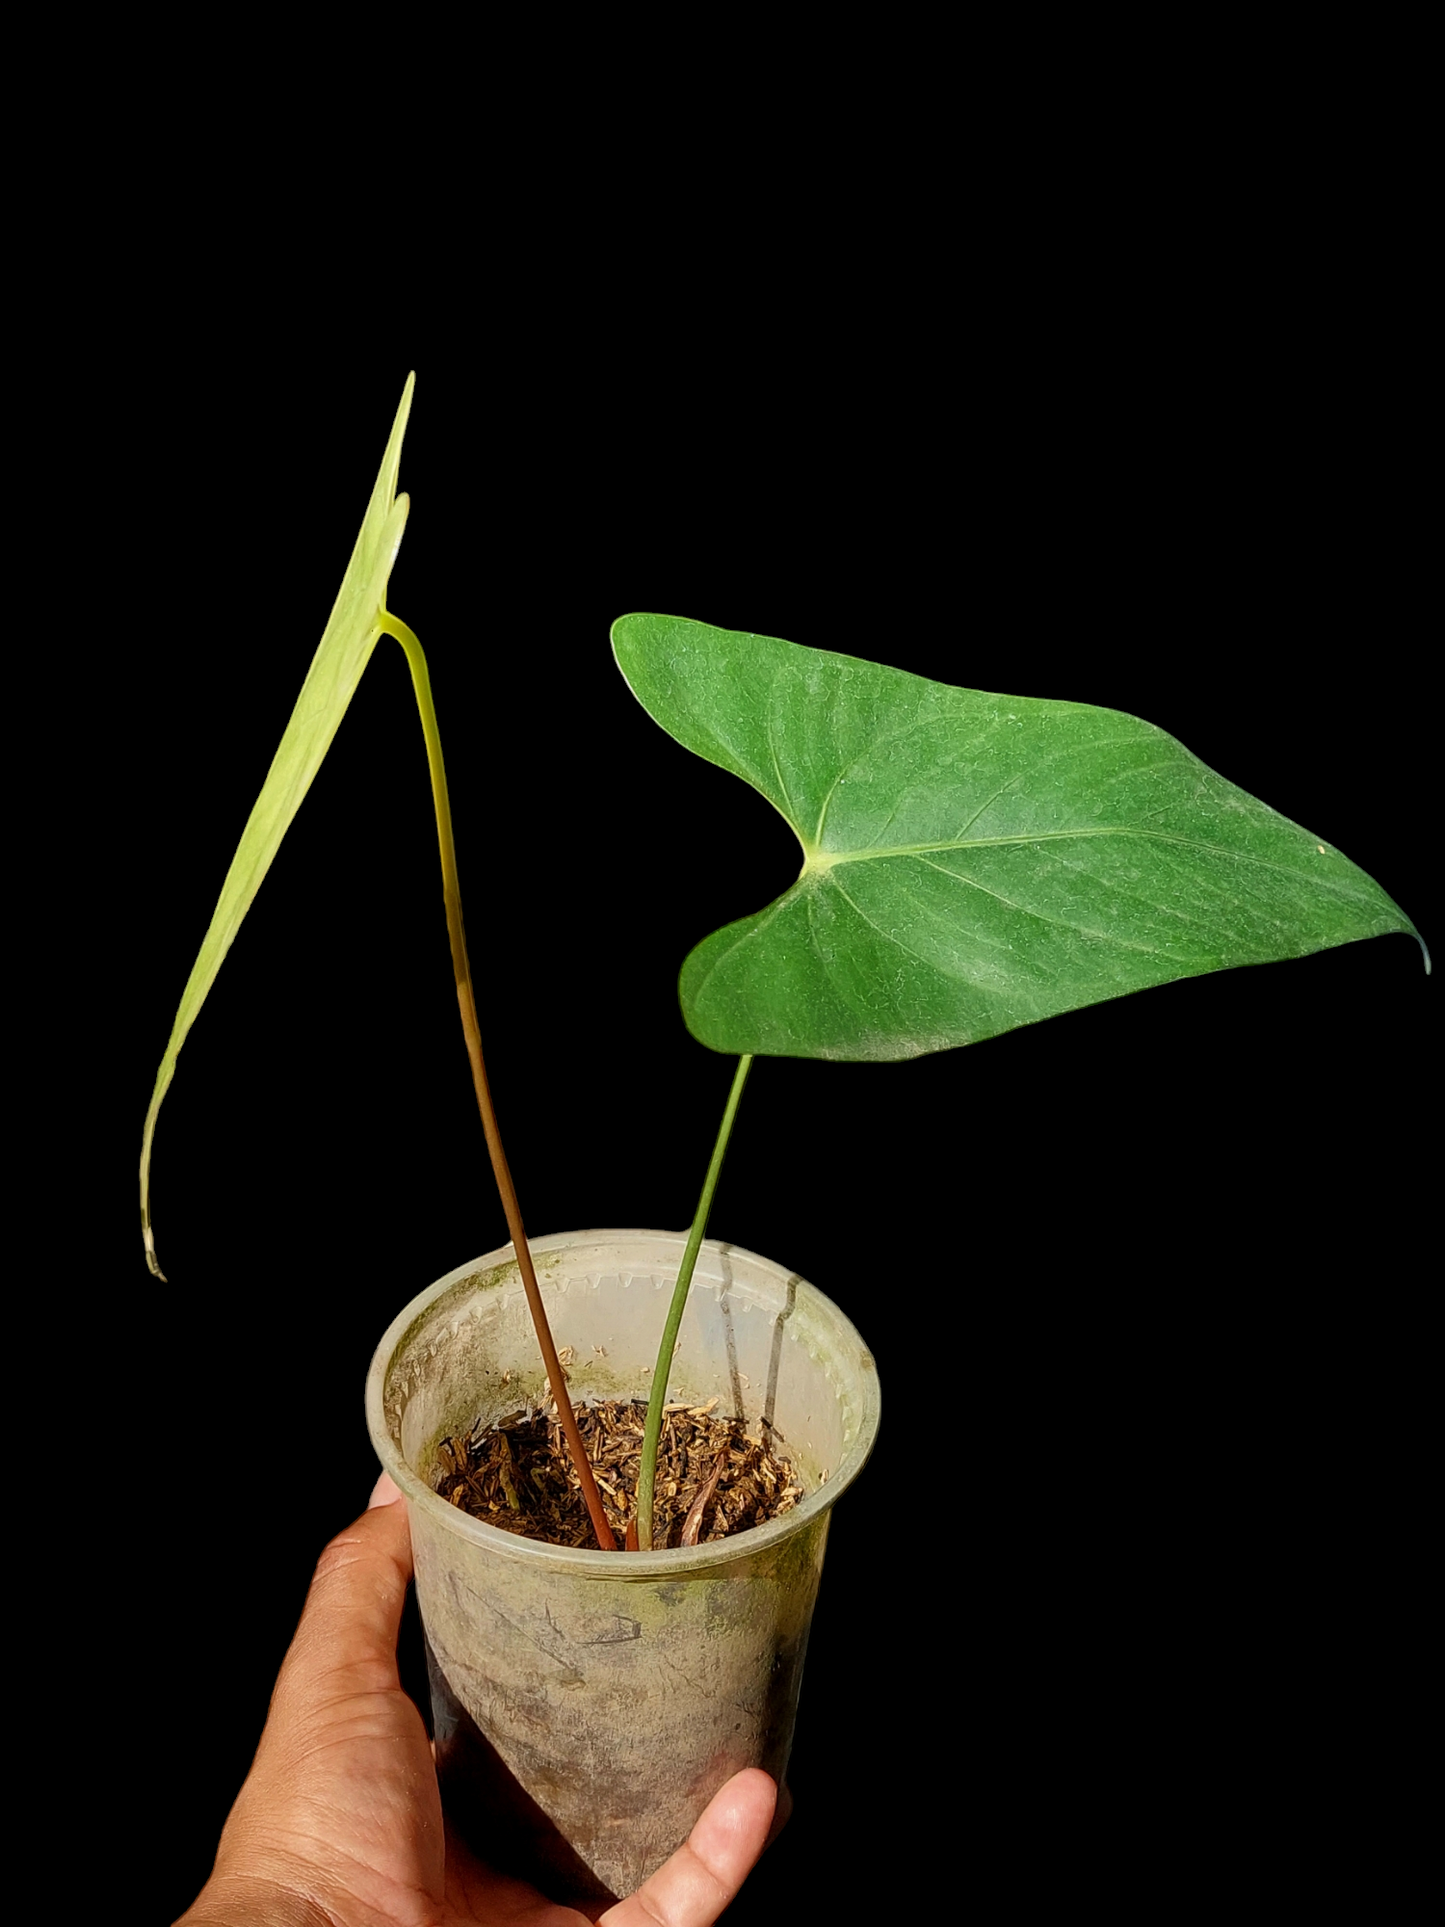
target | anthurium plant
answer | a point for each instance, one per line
(971, 863)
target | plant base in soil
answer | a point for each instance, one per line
(712, 1478)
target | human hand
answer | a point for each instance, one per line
(339, 1823)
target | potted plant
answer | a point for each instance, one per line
(870, 954)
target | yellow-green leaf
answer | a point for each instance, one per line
(345, 648)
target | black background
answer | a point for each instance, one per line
(1128, 1583)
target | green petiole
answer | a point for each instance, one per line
(652, 1432)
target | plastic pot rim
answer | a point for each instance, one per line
(675, 1562)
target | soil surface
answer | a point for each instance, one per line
(712, 1478)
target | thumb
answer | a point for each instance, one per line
(702, 1877)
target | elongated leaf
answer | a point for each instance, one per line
(345, 648)
(971, 862)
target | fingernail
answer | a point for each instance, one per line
(385, 1492)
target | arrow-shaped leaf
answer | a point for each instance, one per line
(350, 636)
(971, 862)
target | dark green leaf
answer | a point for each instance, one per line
(971, 862)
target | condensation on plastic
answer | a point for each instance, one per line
(589, 1704)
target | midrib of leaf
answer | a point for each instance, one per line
(821, 861)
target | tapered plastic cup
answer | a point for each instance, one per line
(589, 1704)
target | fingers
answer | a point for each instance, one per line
(346, 1640)
(693, 1888)
(341, 1802)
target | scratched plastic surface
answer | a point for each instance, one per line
(588, 1704)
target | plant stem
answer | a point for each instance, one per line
(652, 1432)
(451, 888)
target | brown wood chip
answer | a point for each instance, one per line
(712, 1479)
(692, 1524)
